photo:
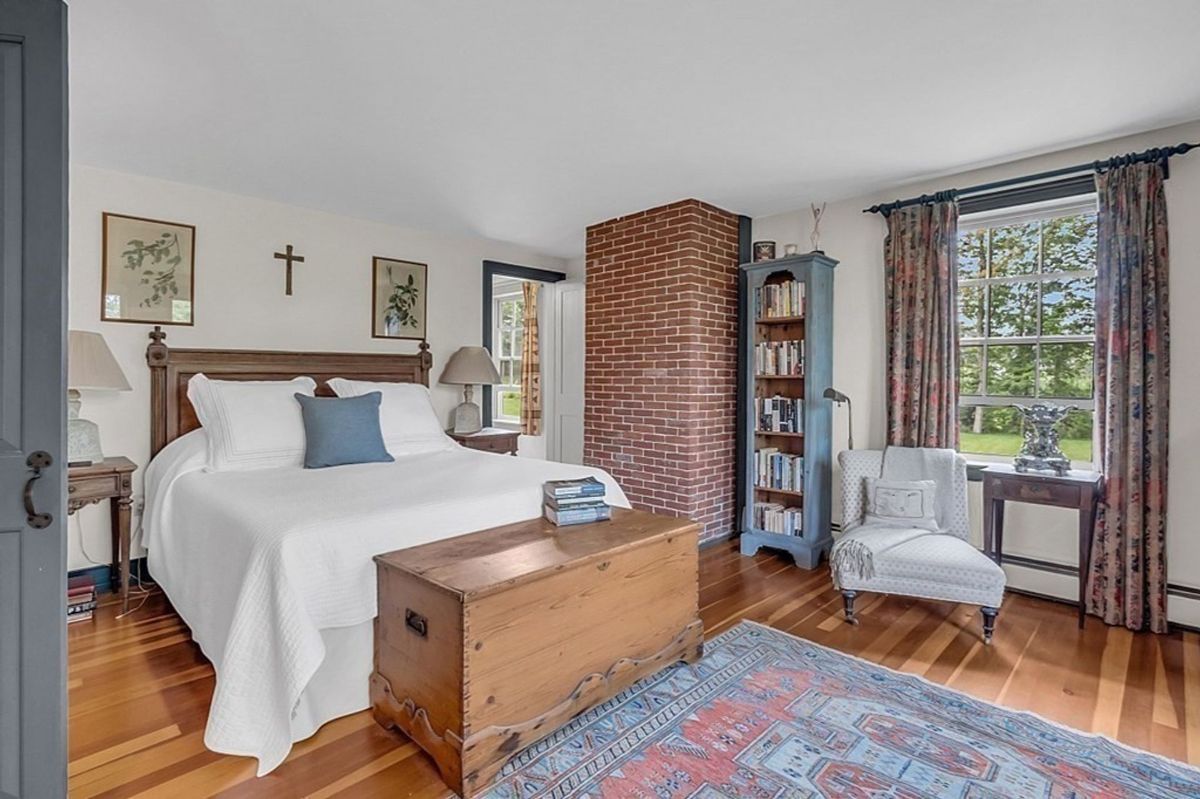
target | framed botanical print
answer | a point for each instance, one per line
(149, 271)
(398, 299)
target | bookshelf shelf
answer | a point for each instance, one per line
(795, 335)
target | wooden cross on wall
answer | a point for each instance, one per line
(291, 258)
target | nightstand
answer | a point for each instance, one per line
(489, 439)
(111, 479)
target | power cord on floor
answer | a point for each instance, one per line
(144, 589)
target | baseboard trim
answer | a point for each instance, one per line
(102, 578)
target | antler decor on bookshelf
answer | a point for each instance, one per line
(786, 334)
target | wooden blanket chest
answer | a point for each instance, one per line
(487, 642)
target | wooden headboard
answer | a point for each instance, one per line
(172, 415)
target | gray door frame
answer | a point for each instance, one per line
(33, 313)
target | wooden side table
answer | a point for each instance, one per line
(111, 479)
(1075, 489)
(489, 439)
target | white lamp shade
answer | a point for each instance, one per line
(91, 365)
(470, 366)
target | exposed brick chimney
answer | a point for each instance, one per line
(660, 385)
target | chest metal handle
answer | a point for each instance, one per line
(36, 462)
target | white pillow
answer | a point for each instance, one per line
(407, 419)
(898, 503)
(251, 424)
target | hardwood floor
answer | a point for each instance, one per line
(139, 689)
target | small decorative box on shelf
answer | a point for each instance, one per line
(785, 332)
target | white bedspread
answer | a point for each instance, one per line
(258, 563)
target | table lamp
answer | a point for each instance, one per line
(90, 366)
(468, 366)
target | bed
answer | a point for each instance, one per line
(271, 568)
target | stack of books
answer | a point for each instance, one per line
(774, 517)
(779, 300)
(785, 358)
(780, 414)
(81, 598)
(568, 502)
(781, 470)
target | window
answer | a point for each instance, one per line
(1026, 319)
(508, 316)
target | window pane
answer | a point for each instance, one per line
(517, 336)
(1015, 250)
(1066, 370)
(969, 364)
(1013, 311)
(505, 345)
(970, 312)
(972, 254)
(988, 430)
(510, 404)
(1075, 435)
(1010, 370)
(1069, 243)
(1069, 307)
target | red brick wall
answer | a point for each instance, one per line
(659, 391)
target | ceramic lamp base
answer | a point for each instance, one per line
(83, 436)
(467, 419)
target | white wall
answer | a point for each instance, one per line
(240, 301)
(856, 239)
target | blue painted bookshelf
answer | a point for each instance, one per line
(785, 308)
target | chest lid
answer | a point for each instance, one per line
(480, 563)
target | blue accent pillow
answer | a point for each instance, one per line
(342, 430)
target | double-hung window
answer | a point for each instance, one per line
(508, 315)
(1026, 320)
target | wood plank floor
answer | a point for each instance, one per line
(139, 689)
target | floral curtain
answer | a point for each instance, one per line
(531, 366)
(922, 325)
(1129, 561)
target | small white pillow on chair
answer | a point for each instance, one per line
(406, 416)
(899, 503)
(251, 424)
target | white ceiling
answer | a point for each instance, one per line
(526, 120)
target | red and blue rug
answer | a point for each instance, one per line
(766, 714)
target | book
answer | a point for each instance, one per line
(572, 503)
(565, 489)
(568, 517)
(74, 617)
(80, 584)
(85, 607)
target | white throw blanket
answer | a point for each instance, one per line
(855, 552)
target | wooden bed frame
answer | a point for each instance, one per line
(172, 415)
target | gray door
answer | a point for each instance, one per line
(33, 281)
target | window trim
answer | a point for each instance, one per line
(491, 270)
(993, 218)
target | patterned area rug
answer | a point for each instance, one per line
(765, 714)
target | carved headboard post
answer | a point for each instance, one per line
(157, 356)
(426, 361)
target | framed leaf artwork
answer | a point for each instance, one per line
(398, 299)
(149, 271)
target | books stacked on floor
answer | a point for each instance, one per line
(780, 414)
(775, 469)
(784, 358)
(567, 502)
(779, 300)
(81, 598)
(774, 517)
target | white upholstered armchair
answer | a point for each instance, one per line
(942, 566)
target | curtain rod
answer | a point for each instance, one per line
(1146, 156)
